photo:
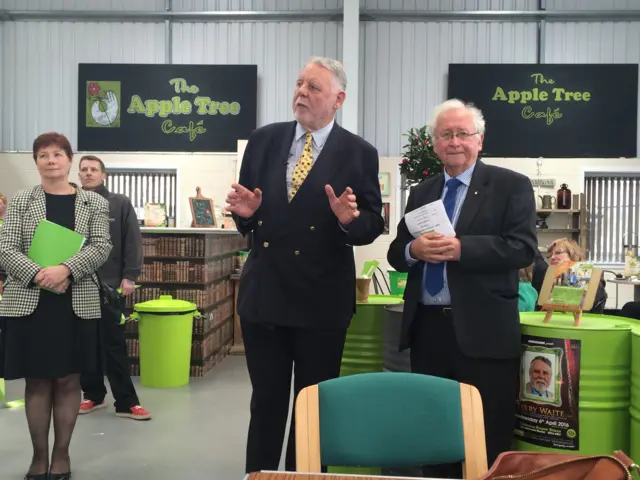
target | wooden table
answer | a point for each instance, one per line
(321, 476)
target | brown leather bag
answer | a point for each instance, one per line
(559, 466)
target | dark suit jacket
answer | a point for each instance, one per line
(540, 270)
(497, 232)
(301, 270)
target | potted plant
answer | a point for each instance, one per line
(419, 160)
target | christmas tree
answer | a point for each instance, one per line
(419, 160)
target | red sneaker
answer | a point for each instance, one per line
(135, 413)
(88, 406)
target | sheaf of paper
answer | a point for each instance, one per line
(429, 218)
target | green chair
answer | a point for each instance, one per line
(390, 419)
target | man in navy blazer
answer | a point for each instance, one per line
(308, 192)
(460, 316)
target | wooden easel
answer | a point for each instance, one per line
(555, 307)
(587, 299)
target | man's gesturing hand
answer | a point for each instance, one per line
(435, 248)
(345, 206)
(242, 201)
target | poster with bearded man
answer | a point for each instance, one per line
(547, 413)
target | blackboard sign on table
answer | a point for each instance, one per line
(165, 108)
(552, 110)
(202, 211)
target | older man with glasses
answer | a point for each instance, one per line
(460, 316)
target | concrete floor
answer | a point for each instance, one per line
(197, 431)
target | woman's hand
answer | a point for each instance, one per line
(53, 278)
(62, 287)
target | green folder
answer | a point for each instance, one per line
(53, 244)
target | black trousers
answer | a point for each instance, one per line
(273, 353)
(116, 358)
(435, 351)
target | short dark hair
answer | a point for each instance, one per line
(52, 139)
(93, 158)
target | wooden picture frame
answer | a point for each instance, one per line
(588, 298)
(202, 212)
(155, 215)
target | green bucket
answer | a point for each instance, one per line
(586, 411)
(397, 282)
(165, 329)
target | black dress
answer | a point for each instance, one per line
(53, 341)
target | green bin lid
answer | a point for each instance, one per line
(633, 323)
(564, 321)
(383, 300)
(165, 304)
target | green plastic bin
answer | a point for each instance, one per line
(604, 379)
(397, 282)
(634, 410)
(165, 330)
(364, 346)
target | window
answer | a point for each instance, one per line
(613, 214)
(145, 186)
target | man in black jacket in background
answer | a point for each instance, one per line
(120, 271)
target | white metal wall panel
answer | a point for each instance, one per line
(606, 42)
(448, 5)
(87, 5)
(406, 65)
(278, 48)
(592, 4)
(254, 5)
(40, 71)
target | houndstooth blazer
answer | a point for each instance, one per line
(24, 212)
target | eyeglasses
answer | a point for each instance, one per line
(557, 253)
(462, 136)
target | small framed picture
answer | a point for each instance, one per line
(384, 178)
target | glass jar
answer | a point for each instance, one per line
(563, 199)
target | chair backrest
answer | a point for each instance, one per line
(390, 420)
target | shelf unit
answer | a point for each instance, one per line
(196, 268)
(577, 223)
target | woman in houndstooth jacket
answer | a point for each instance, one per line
(49, 338)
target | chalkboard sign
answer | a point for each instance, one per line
(165, 108)
(552, 110)
(202, 211)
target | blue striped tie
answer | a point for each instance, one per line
(434, 281)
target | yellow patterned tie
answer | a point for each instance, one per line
(305, 162)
